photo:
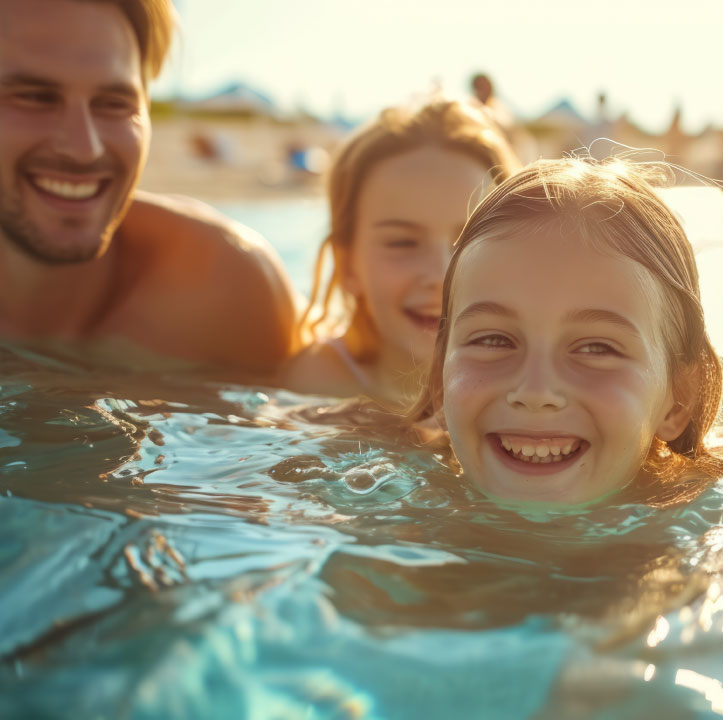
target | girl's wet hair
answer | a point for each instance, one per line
(613, 205)
(451, 125)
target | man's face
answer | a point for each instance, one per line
(74, 126)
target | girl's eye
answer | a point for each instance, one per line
(597, 349)
(401, 244)
(491, 341)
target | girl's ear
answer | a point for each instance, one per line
(681, 400)
(348, 278)
(674, 422)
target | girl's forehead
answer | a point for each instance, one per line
(546, 270)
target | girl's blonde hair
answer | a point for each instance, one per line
(452, 125)
(611, 204)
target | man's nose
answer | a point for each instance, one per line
(77, 137)
(538, 386)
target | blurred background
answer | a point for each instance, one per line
(257, 94)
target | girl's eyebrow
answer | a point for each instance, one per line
(606, 316)
(590, 315)
(487, 308)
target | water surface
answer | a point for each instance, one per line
(177, 548)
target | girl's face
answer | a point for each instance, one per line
(410, 210)
(555, 379)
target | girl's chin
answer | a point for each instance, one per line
(566, 489)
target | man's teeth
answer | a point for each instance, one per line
(64, 189)
(542, 451)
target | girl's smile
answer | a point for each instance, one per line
(535, 455)
(555, 380)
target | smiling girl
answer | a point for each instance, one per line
(398, 197)
(572, 356)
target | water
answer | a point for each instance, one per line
(172, 547)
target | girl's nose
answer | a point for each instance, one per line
(538, 387)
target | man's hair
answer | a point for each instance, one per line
(153, 22)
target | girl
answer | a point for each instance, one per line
(398, 194)
(572, 356)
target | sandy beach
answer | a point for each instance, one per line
(223, 160)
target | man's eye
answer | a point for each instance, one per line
(36, 98)
(114, 105)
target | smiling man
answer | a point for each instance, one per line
(83, 256)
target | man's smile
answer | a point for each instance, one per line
(67, 189)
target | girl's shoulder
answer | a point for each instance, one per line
(326, 368)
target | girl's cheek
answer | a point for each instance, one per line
(462, 377)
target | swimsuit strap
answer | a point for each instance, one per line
(338, 346)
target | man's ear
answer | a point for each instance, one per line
(680, 401)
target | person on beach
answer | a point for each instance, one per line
(398, 194)
(83, 256)
(572, 358)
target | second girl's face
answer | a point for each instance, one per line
(410, 210)
(555, 380)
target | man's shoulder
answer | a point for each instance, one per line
(200, 275)
(180, 222)
(179, 240)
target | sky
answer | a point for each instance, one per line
(356, 56)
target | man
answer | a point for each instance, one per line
(174, 279)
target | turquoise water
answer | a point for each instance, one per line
(172, 547)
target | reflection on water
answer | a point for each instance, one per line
(177, 548)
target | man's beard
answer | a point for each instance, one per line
(27, 238)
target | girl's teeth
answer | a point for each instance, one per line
(542, 453)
